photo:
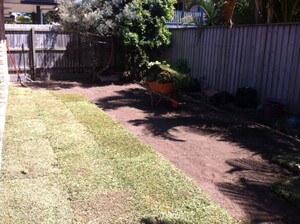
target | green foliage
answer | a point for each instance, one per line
(291, 161)
(51, 17)
(216, 11)
(145, 32)
(160, 73)
(163, 72)
(244, 12)
(286, 11)
(24, 18)
(92, 18)
(283, 11)
(183, 81)
(181, 65)
(290, 189)
(138, 26)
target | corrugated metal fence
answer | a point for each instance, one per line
(264, 57)
(42, 49)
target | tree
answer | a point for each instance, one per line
(94, 20)
(285, 10)
(51, 17)
(249, 11)
(244, 12)
(277, 11)
(137, 26)
(145, 33)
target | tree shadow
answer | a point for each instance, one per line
(51, 86)
(161, 119)
(252, 190)
(68, 83)
(260, 204)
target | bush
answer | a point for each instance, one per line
(143, 32)
(181, 65)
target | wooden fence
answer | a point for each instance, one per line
(264, 57)
(42, 50)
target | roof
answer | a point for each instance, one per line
(28, 6)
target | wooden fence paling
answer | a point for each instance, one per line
(32, 53)
(264, 57)
(49, 50)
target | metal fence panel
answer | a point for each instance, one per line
(264, 57)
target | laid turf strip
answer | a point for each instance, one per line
(67, 161)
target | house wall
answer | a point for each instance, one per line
(4, 80)
(264, 57)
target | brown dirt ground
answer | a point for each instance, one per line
(228, 157)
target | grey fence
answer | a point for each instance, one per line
(42, 50)
(264, 57)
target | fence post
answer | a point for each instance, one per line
(32, 53)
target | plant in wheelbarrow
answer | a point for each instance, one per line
(163, 79)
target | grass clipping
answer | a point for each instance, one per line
(66, 161)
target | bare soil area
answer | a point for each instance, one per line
(228, 157)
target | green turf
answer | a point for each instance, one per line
(66, 161)
(291, 161)
(289, 188)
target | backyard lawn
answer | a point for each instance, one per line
(66, 161)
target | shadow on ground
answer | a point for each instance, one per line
(254, 195)
(199, 118)
(85, 83)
